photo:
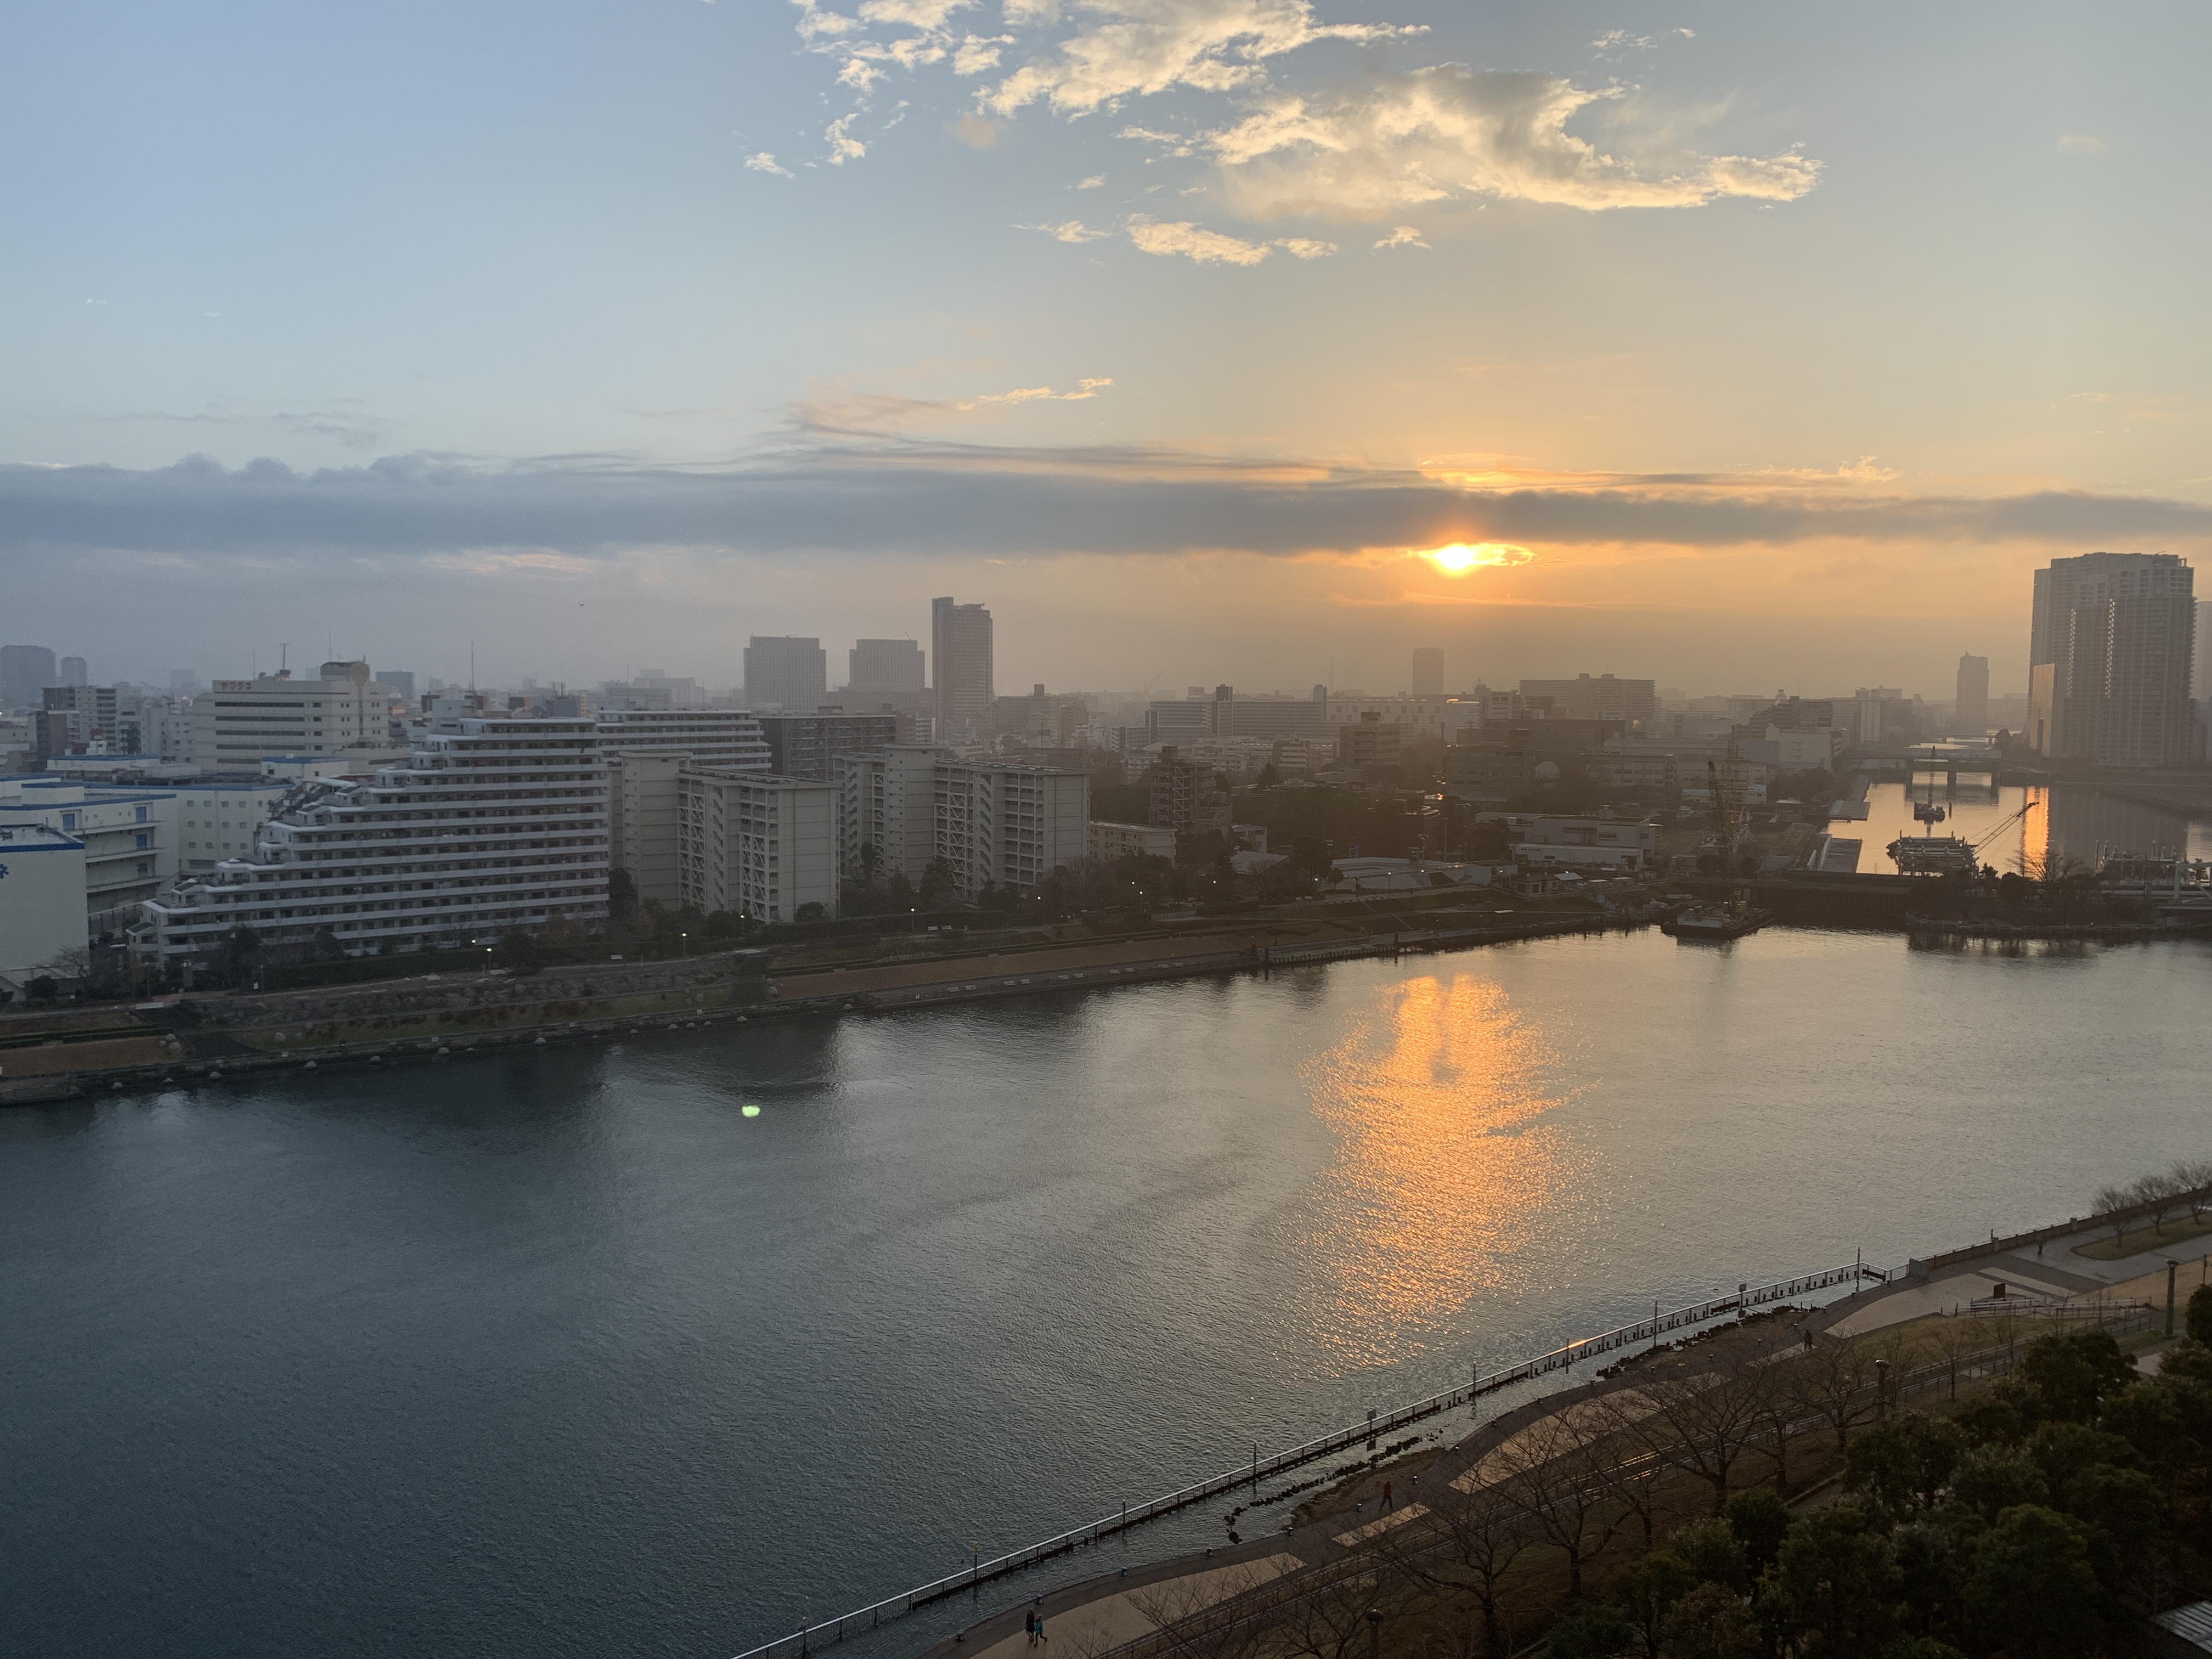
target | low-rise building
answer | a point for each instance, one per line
(41, 901)
(1370, 740)
(1110, 842)
(1569, 841)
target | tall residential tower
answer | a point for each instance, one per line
(960, 644)
(2110, 651)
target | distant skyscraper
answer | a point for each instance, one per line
(25, 672)
(2110, 648)
(73, 672)
(787, 672)
(1429, 671)
(2200, 686)
(883, 670)
(960, 644)
(1970, 716)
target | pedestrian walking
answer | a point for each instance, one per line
(1029, 1623)
(1386, 1494)
(1041, 1635)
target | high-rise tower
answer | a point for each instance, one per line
(960, 649)
(2110, 650)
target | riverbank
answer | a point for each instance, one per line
(229, 1037)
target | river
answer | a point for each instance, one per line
(663, 1346)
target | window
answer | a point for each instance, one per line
(69, 821)
(142, 815)
(144, 842)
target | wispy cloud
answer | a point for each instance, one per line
(1403, 236)
(1068, 230)
(1305, 247)
(846, 410)
(765, 162)
(2083, 143)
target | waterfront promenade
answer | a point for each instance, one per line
(1165, 1605)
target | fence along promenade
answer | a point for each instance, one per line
(1563, 1358)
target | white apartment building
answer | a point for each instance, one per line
(644, 804)
(237, 722)
(756, 846)
(490, 827)
(41, 901)
(993, 822)
(644, 748)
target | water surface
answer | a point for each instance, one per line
(561, 1353)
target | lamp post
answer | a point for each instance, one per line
(1373, 1633)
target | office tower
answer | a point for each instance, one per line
(786, 671)
(71, 716)
(2111, 643)
(399, 682)
(804, 745)
(25, 672)
(1429, 671)
(878, 671)
(1970, 716)
(73, 672)
(960, 642)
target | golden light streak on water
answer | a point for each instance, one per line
(1443, 1167)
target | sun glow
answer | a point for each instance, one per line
(1460, 557)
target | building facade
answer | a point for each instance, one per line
(1429, 671)
(805, 745)
(1110, 842)
(2111, 654)
(878, 671)
(992, 822)
(25, 672)
(1970, 709)
(490, 827)
(238, 722)
(757, 845)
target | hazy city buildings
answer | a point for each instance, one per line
(1970, 712)
(2110, 649)
(1603, 698)
(488, 827)
(44, 913)
(1110, 842)
(879, 671)
(1370, 740)
(960, 648)
(1429, 671)
(786, 671)
(25, 672)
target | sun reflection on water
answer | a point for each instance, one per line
(1442, 1167)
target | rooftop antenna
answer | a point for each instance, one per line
(284, 653)
(472, 667)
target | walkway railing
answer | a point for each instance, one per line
(1564, 1359)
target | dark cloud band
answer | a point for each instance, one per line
(889, 500)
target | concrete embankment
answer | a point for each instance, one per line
(218, 1037)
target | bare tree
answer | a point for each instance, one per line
(1565, 1471)
(1469, 1540)
(1327, 1620)
(2161, 1194)
(1705, 1422)
(2195, 1177)
(2114, 1203)
(71, 962)
(1835, 1381)
(1217, 1615)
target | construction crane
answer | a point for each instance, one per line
(2002, 824)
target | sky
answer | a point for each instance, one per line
(1742, 347)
